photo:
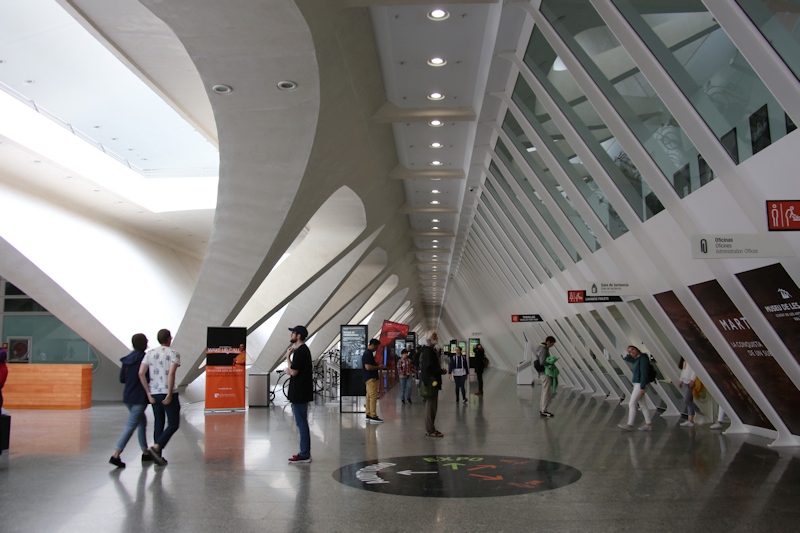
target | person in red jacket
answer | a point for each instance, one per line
(3, 374)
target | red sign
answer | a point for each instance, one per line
(783, 215)
(576, 297)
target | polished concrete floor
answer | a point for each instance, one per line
(229, 472)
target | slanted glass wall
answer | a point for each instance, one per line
(513, 235)
(551, 72)
(504, 154)
(618, 77)
(711, 72)
(512, 211)
(780, 24)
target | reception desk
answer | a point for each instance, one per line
(44, 386)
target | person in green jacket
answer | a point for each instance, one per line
(641, 371)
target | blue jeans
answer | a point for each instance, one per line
(173, 414)
(405, 388)
(136, 419)
(300, 411)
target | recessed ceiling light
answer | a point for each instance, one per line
(435, 246)
(438, 14)
(436, 123)
(435, 227)
(435, 220)
(222, 89)
(436, 96)
(435, 240)
(437, 62)
(287, 85)
(436, 145)
(435, 202)
(30, 81)
(436, 163)
(436, 191)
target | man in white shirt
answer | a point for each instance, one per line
(162, 363)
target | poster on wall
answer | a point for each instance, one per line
(354, 342)
(777, 295)
(779, 390)
(19, 349)
(472, 344)
(739, 399)
(226, 358)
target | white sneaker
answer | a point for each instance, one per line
(687, 424)
(646, 428)
(716, 425)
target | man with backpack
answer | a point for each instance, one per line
(642, 376)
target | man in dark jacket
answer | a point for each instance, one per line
(432, 377)
(135, 398)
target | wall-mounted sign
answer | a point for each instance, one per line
(613, 288)
(783, 215)
(729, 385)
(765, 370)
(732, 246)
(580, 297)
(526, 318)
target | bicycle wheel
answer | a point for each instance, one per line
(286, 388)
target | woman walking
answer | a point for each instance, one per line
(135, 398)
(640, 379)
(688, 378)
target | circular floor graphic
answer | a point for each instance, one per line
(457, 476)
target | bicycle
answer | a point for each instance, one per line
(282, 383)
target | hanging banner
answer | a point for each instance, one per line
(390, 332)
(226, 357)
(779, 390)
(739, 399)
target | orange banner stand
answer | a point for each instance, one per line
(226, 364)
(225, 387)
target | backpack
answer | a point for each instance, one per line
(651, 373)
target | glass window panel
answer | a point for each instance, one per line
(12, 290)
(498, 175)
(562, 87)
(523, 145)
(482, 222)
(53, 342)
(710, 71)
(637, 103)
(522, 234)
(514, 237)
(780, 24)
(505, 156)
(561, 149)
(22, 305)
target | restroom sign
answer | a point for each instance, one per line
(783, 215)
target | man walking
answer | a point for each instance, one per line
(301, 389)
(162, 393)
(542, 353)
(369, 368)
(432, 377)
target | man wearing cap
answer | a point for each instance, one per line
(301, 389)
(370, 367)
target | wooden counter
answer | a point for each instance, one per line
(45, 386)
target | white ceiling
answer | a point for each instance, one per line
(131, 107)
